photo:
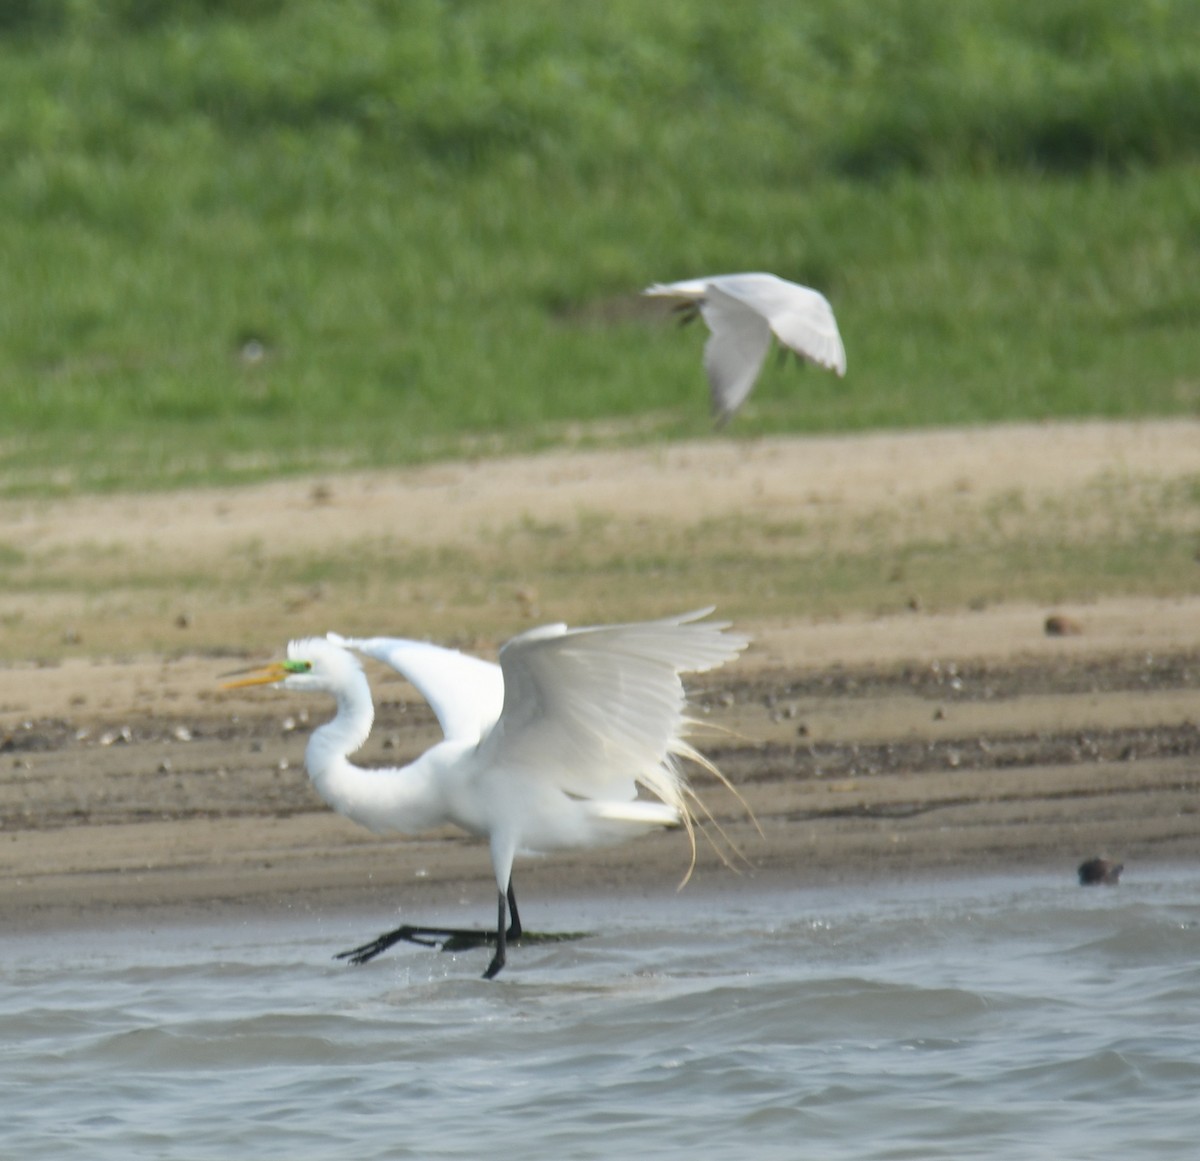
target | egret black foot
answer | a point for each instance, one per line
(452, 939)
(446, 938)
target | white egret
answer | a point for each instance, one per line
(743, 311)
(465, 693)
(542, 752)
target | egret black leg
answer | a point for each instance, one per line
(508, 930)
(493, 969)
(447, 938)
(514, 927)
(425, 936)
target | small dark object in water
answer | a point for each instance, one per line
(1097, 872)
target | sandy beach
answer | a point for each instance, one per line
(906, 743)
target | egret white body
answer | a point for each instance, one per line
(742, 312)
(543, 752)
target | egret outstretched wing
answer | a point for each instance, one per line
(602, 709)
(466, 693)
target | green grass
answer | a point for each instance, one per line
(431, 220)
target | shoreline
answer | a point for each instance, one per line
(365, 911)
(925, 771)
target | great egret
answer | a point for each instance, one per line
(743, 311)
(542, 752)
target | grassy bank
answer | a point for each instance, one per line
(1044, 515)
(96, 602)
(245, 238)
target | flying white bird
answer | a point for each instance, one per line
(743, 311)
(542, 752)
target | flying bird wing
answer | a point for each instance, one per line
(466, 693)
(600, 710)
(734, 353)
(692, 288)
(799, 317)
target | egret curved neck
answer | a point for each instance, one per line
(331, 744)
(406, 800)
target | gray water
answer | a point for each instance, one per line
(1002, 1018)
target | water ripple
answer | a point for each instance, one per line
(988, 1019)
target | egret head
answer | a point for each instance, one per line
(313, 663)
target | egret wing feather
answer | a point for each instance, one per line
(465, 693)
(598, 711)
